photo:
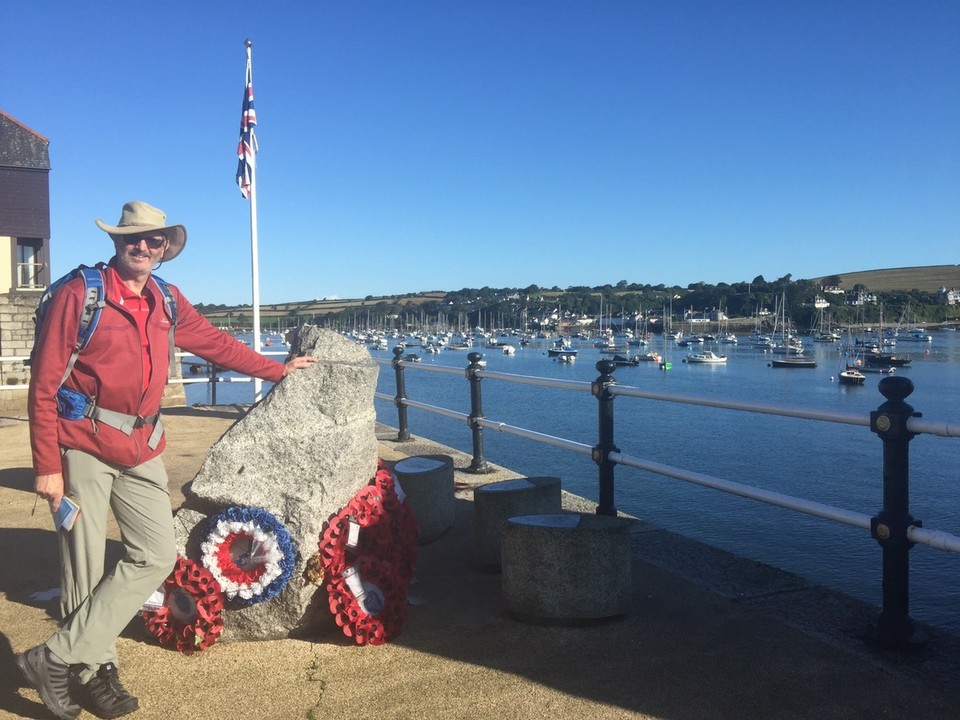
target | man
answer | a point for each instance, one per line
(111, 457)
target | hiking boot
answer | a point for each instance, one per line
(50, 677)
(105, 697)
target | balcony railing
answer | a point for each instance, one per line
(30, 275)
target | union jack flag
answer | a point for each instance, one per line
(247, 148)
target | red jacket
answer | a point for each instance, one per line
(110, 370)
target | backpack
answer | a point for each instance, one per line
(93, 303)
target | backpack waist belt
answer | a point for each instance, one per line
(73, 405)
(128, 423)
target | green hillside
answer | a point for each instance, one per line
(928, 279)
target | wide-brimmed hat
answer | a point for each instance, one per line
(138, 217)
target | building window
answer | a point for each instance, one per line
(29, 263)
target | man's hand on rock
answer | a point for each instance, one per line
(298, 363)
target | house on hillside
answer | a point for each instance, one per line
(949, 297)
(24, 249)
(862, 298)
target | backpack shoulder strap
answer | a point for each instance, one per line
(169, 301)
(170, 304)
(93, 302)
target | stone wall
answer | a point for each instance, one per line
(16, 339)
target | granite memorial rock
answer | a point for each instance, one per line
(300, 454)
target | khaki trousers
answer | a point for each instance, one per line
(97, 607)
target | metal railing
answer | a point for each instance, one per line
(210, 373)
(894, 422)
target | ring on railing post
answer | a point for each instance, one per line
(895, 629)
(478, 464)
(600, 388)
(403, 430)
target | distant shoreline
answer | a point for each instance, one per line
(741, 323)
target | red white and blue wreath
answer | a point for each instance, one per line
(249, 553)
(191, 616)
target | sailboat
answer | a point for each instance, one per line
(850, 373)
(793, 361)
(792, 353)
(664, 365)
(824, 334)
(880, 359)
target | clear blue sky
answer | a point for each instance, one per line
(409, 146)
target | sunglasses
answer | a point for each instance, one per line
(155, 243)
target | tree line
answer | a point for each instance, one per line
(533, 307)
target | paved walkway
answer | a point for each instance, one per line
(709, 636)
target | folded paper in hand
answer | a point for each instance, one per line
(66, 514)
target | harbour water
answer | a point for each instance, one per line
(830, 463)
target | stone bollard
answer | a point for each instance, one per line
(568, 568)
(427, 481)
(494, 502)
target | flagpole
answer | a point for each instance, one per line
(254, 250)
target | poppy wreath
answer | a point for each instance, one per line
(333, 544)
(402, 547)
(360, 526)
(374, 522)
(367, 552)
(368, 601)
(249, 553)
(191, 617)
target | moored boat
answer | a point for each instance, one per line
(707, 357)
(879, 359)
(851, 376)
(793, 361)
(561, 349)
(917, 336)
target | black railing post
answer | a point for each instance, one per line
(478, 464)
(403, 429)
(601, 390)
(213, 384)
(895, 628)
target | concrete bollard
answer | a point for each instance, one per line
(494, 502)
(568, 568)
(428, 483)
